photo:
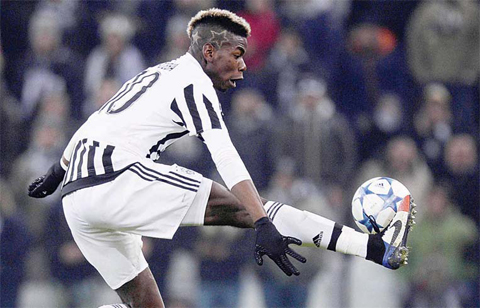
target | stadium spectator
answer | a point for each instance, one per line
(159, 22)
(176, 38)
(294, 12)
(373, 63)
(387, 121)
(48, 65)
(390, 14)
(222, 256)
(153, 17)
(462, 170)
(286, 63)
(317, 137)
(321, 25)
(433, 125)
(252, 134)
(355, 82)
(15, 243)
(54, 109)
(116, 57)
(438, 269)
(108, 87)
(71, 17)
(65, 12)
(263, 20)
(443, 42)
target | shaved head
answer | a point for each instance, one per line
(223, 18)
(214, 35)
(217, 27)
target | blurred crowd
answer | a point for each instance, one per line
(336, 92)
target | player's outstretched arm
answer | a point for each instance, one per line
(232, 170)
(48, 183)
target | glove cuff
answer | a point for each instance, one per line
(58, 171)
(262, 221)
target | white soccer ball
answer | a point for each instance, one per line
(375, 203)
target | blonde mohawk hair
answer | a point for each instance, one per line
(223, 18)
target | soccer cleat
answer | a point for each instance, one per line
(395, 236)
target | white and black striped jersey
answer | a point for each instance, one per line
(151, 111)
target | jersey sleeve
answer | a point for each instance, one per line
(67, 153)
(198, 109)
(226, 158)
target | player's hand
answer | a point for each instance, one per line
(48, 183)
(271, 243)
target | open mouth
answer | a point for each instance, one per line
(233, 81)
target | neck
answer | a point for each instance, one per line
(198, 56)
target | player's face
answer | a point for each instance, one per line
(228, 65)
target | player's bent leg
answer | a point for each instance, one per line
(315, 230)
(387, 249)
(142, 291)
(223, 208)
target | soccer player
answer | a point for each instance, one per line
(113, 192)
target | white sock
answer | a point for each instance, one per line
(115, 306)
(315, 230)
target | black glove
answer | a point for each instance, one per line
(271, 243)
(48, 183)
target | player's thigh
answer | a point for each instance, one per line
(116, 255)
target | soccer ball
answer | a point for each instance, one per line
(375, 203)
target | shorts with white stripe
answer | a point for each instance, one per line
(108, 220)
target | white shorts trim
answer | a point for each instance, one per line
(195, 215)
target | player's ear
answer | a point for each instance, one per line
(208, 52)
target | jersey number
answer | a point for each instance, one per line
(130, 92)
